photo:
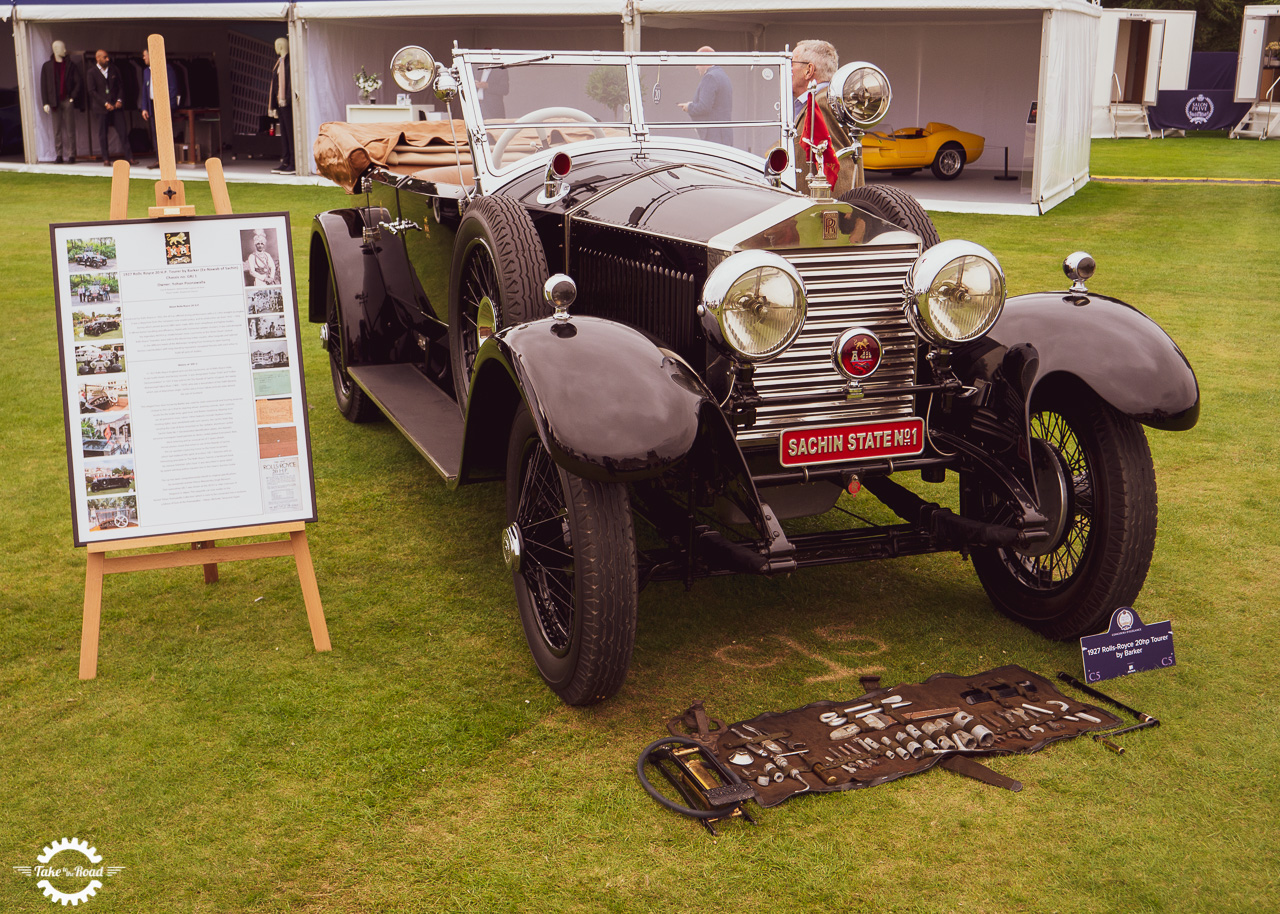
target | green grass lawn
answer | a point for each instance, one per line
(1199, 154)
(422, 765)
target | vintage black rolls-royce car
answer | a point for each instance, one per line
(100, 326)
(91, 259)
(631, 316)
(103, 483)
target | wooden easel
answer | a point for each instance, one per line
(171, 201)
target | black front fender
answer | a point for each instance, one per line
(609, 403)
(1124, 356)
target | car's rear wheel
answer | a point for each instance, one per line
(352, 402)
(571, 548)
(496, 280)
(949, 162)
(896, 206)
(1098, 562)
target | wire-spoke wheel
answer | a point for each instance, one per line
(571, 548)
(1105, 535)
(496, 281)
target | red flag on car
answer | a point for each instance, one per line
(815, 133)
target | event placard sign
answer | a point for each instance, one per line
(181, 376)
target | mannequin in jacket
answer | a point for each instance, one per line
(62, 91)
(280, 106)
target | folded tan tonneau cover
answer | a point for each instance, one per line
(343, 151)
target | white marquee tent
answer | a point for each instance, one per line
(981, 65)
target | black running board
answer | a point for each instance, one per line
(427, 416)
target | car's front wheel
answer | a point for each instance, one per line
(496, 280)
(949, 162)
(571, 548)
(1099, 559)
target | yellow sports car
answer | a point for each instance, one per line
(939, 147)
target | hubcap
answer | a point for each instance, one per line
(512, 548)
(486, 320)
(1054, 489)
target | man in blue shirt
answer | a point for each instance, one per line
(712, 101)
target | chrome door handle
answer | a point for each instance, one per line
(400, 225)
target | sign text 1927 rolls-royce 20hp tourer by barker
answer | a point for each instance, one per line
(630, 314)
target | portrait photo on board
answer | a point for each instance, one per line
(261, 255)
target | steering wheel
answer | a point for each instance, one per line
(541, 114)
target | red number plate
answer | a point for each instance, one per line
(800, 447)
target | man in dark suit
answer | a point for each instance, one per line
(147, 104)
(494, 84)
(106, 97)
(712, 101)
(815, 61)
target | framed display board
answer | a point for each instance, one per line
(182, 376)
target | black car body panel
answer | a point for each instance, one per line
(1119, 352)
(575, 374)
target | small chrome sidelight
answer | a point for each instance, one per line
(560, 291)
(1079, 268)
(776, 163)
(554, 186)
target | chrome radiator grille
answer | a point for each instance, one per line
(847, 287)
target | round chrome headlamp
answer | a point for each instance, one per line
(753, 305)
(859, 95)
(954, 292)
(412, 68)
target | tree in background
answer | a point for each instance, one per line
(1218, 22)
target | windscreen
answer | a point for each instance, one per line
(534, 102)
(736, 105)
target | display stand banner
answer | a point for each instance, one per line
(1197, 109)
(181, 375)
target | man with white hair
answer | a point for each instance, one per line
(813, 63)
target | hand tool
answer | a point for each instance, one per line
(1072, 681)
(712, 791)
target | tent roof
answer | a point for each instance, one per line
(172, 9)
(783, 7)
(385, 9)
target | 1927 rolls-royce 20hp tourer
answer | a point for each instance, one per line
(628, 313)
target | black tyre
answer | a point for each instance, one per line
(1070, 587)
(496, 280)
(896, 206)
(352, 402)
(948, 163)
(575, 571)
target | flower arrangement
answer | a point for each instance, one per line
(367, 83)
